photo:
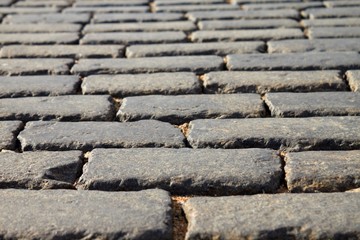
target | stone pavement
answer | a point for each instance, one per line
(180, 119)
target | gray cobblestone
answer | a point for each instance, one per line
(198, 64)
(26, 10)
(39, 170)
(47, 18)
(187, 8)
(324, 171)
(279, 216)
(142, 84)
(183, 171)
(6, 3)
(247, 24)
(38, 38)
(91, 3)
(107, 9)
(88, 135)
(332, 12)
(331, 22)
(8, 132)
(353, 78)
(283, 5)
(318, 133)
(187, 2)
(39, 28)
(134, 17)
(43, 3)
(345, 3)
(333, 32)
(85, 214)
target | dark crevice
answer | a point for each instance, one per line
(201, 83)
(185, 131)
(84, 159)
(266, 107)
(342, 75)
(179, 221)
(17, 141)
(283, 184)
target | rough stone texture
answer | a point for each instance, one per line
(39, 170)
(317, 133)
(199, 7)
(353, 78)
(262, 14)
(283, 5)
(43, 3)
(142, 84)
(48, 18)
(324, 171)
(8, 132)
(247, 24)
(28, 10)
(292, 61)
(186, 2)
(38, 38)
(61, 108)
(280, 216)
(31, 67)
(183, 171)
(134, 17)
(333, 32)
(25, 86)
(198, 64)
(39, 28)
(332, 12)
(68, 214)
(184, 108)
(139, 27)
(313, 104)
(178, 49)
(273, 81)
(331, 22)
(255, 34)
(6, 3)
(91, 3)
(72, 51)
(107, 9)
(133, 37)
(314, 45)
(344, 3)
(89, 135)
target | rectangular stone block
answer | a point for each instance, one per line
(133, 38)
(198, 64)
(322, 171)
(247, 24)
(60, 108)
(189, 7)
(136, 17)
(313, 104)
(187, 2)
(282, 5)
(330, 22)
(85, 214)
(91, 3)
(40, 170)
(344, 3)
(294, 61)
(140, 27)
(293, 134)
(26, 86)
(27, 10)
(8, 132)
(332, 12)
(314, 45)
(279, 216)
(43, 3)
(353, 77)
(38, 38)
(59, 51)
(273, 81)
(31, 67)
(141, 84)
(48, 18)
(88, 135)
(184, 108)
(6, 2)
(178, 49)
(239, 35)
(333, 32)
(107, 9)
(39, 28)
(183, 171)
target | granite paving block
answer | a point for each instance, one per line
(198, 64)
(344, 3)
(39, 170)
(91, 3)
(183, 171)
(26, 86)
(31, 67)
(247, 24)
(184, 108)
(241, 14)
(6, 2)
(293, 134)
(332, 12)
(63, 214)
(294, 61)
(202, 7)
(39, 28)
(280, 216)
(27, 10)
(43, 3)
(140, 27)
(353, 77)
(133, 37)
(136, 17)
(60, 108)
(85, 136)
(59, 51)
(107, 9)
(314, 45)
(282, 5)
(187, 2)
(313, 104)
(260, 1)
(333, 32)
(8, 132)
(142, 84)
(330, 22)
(38, 38)
(323, 171)
(178, 49)
(253, 34)
(47, 18)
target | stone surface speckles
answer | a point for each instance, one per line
(38, 38)
(353, 78)
(8, 132)
(50, 18)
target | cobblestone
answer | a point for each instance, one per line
(134, 17)
(283, 5)
(8, 132)
(91, 3)
(333, 32)
(107, 9)
(353, 77)
(331, 22)
(39, 28)
(332, 12)
(49, 18)
(247, 24)
(26, 10)
(187, 8)
(183, 171)
(38, 38)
